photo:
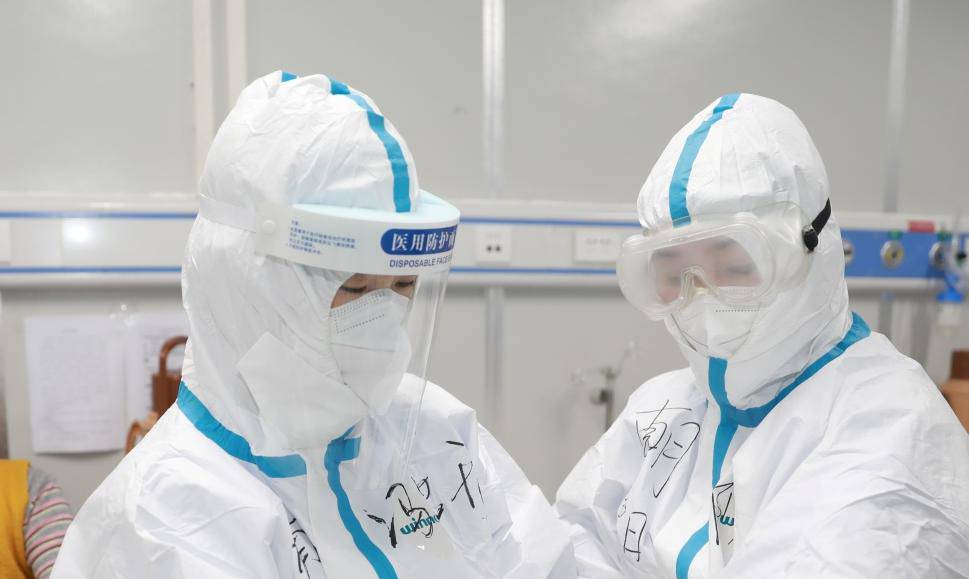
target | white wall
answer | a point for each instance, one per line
(421, 62)
(934, 142)
(596, 89)
(98, 97)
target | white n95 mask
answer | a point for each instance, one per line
(307, 408)
(370, 345)
(714, 329)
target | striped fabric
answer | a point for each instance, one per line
(45, 522)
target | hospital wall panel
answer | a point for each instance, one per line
(97, 96)
(420, 61)
(596, 89)
(934, 144)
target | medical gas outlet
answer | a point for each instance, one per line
(893, 252)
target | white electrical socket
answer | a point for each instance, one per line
(596, 246)
(492, 243)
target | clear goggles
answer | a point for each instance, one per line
(742, 259)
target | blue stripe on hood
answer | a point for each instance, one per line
(395, 153)
(684, 165)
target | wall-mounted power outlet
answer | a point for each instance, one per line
(492, 243)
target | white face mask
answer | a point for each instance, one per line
(714, 329)
(371, 346)
(307, 408)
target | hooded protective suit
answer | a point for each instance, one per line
(286, 455)
(798, 443)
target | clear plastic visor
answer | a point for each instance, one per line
(382, 331)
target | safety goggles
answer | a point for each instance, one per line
(742, 259)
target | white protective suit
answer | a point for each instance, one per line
(269, 465)
(815, 449)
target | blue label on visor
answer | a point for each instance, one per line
(418, 241)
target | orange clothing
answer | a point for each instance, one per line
(13, 506)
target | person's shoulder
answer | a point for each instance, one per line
(674, 386)
(886, 405)
(873, 375)
(157, 502)
(440, 404)
(177, 462)
(669, 396)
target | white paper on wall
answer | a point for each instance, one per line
(91, 376)
(76, 383)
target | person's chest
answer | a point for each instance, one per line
(306, 561)
(439, 515)
(702, 484)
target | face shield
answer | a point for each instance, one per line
(740, 260)
(381, 340)
(381, 321)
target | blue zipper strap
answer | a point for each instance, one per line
(751, 417)
(339, 450)
(693, 545)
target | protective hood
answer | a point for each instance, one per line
(742, 153)
(260, 325)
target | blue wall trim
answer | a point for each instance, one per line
(96, 215)
(866, 264)
(90, 269)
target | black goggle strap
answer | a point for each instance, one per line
(811, 232)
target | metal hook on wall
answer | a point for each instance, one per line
(605, 395)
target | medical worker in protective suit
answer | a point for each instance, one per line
(305, 441)
(798, 443)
